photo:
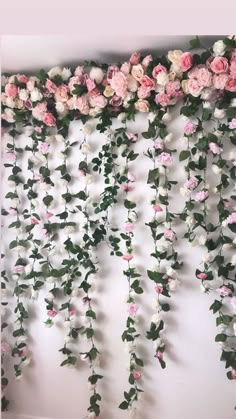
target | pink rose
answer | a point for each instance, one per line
(61, 94)
(49, 119)
(119, 84)
(51, 86)
(90, 84)
(232, 124)
(202, 275)
(5, 347)
(136, 375)
(172, 88)
(127, 257)
(163, 99)
(125, 68)
(79, 71)
(72, 312)
(169, 234)
(43, 147)
(190, 128)
(135, 58)
(137, 72)
(231, 85)
(22, 78)
(146, 61)
(158, 145)
(157, 208)
(52, 313)
(39, 110)
(194, 87)
(215, 148)
(233, 373)
(11, 157)
(201, 196)
(73, 81)
(49, 214)
(98, 101)
(30, 85)
(116, 100)
(159, 68)
(232, 68)
(231, 219)
(159, 289)
(34, 221)
(132, 309)
(220, 80)
(159, 355)
(142, 105)
(224, 291)
(233, 302)
(44, 232)
(147, 83)
(84, 357)
(128, 227)
(219, 65)
(186, 61)
(132, 137)
(19, 269)
(112, 70)
(126, 187)
(131, 177)
(204, 77)
(38, 129)
(11, 90)
(12, 211)
(191, 183)
(165, 158)
(81, 103)
(143, 93)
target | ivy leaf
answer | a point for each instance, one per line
(195, 43)
(184, 155)
(124, 405)
(129, 204)
(221, 337)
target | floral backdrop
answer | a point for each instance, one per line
(58, 220)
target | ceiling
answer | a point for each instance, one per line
(29, 53)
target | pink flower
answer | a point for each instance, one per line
(5, 347)
(79, 71)
(90, 84)
(232, 68)
(72, 312)
(119, 84)
(22, 78)
(158, 145)
(44, 232)
(142, 105)
(202, 275)
(224, 291)
(126, 188)
(52, 313)
(132, 309)
(159, 68)
(11, 157)
(147, 83)
(219, 65)
(233, 302)
(50, 86)
(132, 137)
(34, 221)
(169, 234)
(49, 119)
(136, 375)
(146, 61)
(49, 214)
(190, 128)
(165, 158)
(186, 61)
(23, 352)
(84, 357)
(157, 208)
(159, 289)
(220, 80)
(215, 148)
(231, 85)
(231, 219)
(232, 124)
(12, 211)
(81, 103)
(233, 373)
(143, 93)
(19, 269)
(38, 129)
(11, 90)
(201, 196)
(194, 87)
(61, 94)
(98, 101)
(191, 183)
(125, 68)
(163, 99)
(159, 355)
(129, 227)
(131, 177)
(137, 72)
(204, 77)
(172, 88)
(43, 147)
(127, 257)
(135, 58)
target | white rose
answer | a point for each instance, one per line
(121, 117)
(66, 73)
(69, 229)
(173, 284)
(169, 137)
(34, 294)
(233, 102)
(10, 102)
(50, 279)
(26, 362)
(166, 117)
(206, 258)
(207, 105)
(155, 304)
(132, 84)
(35, 95)
(215, 169)
(219, 113)
(49, 296)
(94, 112)
(162, 78)
(219, 48)
(127, 99)
(202, 239)
(54, 71)
(23, 94)
(61, 108)
(96, 74)
(88, 128)
(151, 116)
(190, 220)
(171, 272)
(156, 318)
(85, 148)
(59, 138)
(75, 292)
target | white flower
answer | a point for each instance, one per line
(171, 272)
(162, 171)
(206, 258)
(162, 78)
(173, 284)
(166, 117)
(127, 99)
(202, 239)
(121, 117)
(219, 113)
(50, 279)
(162, 191)
(23, 94)
(90, 179)
(59, 138)
(69, 229)
(215, 169)
(85, 148)
(88, 128)
(94, 112)
(233, 102)
(155, 304)
(22, 339)
(151, 116)
(226, 246)
(10, 102)
(34, 294)
(68, 339)
(219, 48)
(49, 296)
(36, 95)
(75, 292)
(156, 318)
(61, 108)
(132, 84)
(66, 73)
(207, 105)
(96, 74)
(54, 71)
(186, 193)
(190, 220)
(233, 260)
(19, 377)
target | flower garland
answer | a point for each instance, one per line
(5, 347)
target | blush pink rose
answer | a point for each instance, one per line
(143, 93)
(38, 129)
(5, 347)
(125, 68)
(169, 234)
(159, 355)
(52, 313)
(231, 219)
(50, 86)
(224, 291)
(79, 71)
(11, 157)
(233, 373)
(22, 78)
(127, 257)
(128, 227)
(135, 58)
(231, 85)
(220, 80)
(142, 105)
(90, 84)
(165, 158)
(112, 70)
(186, 61)
(61, 94)
(159, 289)
(81, 103)
(43, 147)
(74, 80)
(201, 196)
(215, 148)
(98, 101)
(146, 61)
(11, 90)
(232, 124)
(191, 183)
(137, 72)
(137, 375)
(172, 88)
(119, 84)
(126, 188)
(190, 128)
(232, 68)
(18, 269)
(202, 275)
(163, 99)
(49, 214)
(23, 352)
(132, 137)
(194, 87)
(116, 101)
(49, 119)
(157, 208)
(204, 77)
(219, 65)
(159, 68)
(12, 211)
(158, 145)
(132, 308)
(147, 83)
(72, 312)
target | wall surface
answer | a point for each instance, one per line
(194, 384)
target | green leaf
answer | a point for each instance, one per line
(232, 227)
(195, 43)
(124, 405)
(129, 204)
(221, 337)
(47, 200)
(184, 155)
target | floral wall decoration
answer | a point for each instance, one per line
(58, 221)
